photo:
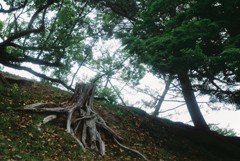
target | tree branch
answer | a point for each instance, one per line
(74, 75)
(21, 34)
(12, 8)
(37, 74)
(29, 31)
(117, 93)
(29, 59)
(172, 108)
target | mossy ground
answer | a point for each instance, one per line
(157, 139)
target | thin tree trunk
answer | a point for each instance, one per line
(124, 104)
(160, 101)
(191, 102)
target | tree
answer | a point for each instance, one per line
(193, 40)
(168, 82)
(114, 65)
(56, 34)
(83, 123)
(49, 33)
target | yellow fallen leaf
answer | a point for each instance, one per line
(30, 134)
(23, 126)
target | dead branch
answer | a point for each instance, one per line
(46, 120)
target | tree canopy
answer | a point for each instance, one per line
(53, 34)
(189, 36)
(189, 39)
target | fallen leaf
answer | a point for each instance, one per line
(30, 134)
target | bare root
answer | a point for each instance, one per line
(83, 123)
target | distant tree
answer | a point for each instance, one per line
(115, 66)
(157, 96)
(196, 41)
(168, 81)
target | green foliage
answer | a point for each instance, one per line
(66, 16)
(13, 52)
(16, 93)
(228, 56)
(133, 72)
(6, 109)
(138, 111)
(12, 95)
(52, 35)
(198, 37)
(166, 49)
(107, 93)
(2, 90)
(39, 3)
(222, 131)
(118, 111)
(115, 64)
(1, 25)
(109, 23)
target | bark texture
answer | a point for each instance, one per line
(191, 102)
(83, 123)
(83, 120)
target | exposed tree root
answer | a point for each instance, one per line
(83, 123)
(133, 150)
(46, 120)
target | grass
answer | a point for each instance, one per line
(157, 139)
(21, 140)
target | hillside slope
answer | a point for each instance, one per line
(158, 139)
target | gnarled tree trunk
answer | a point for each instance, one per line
(83, 123)
(83, 120)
